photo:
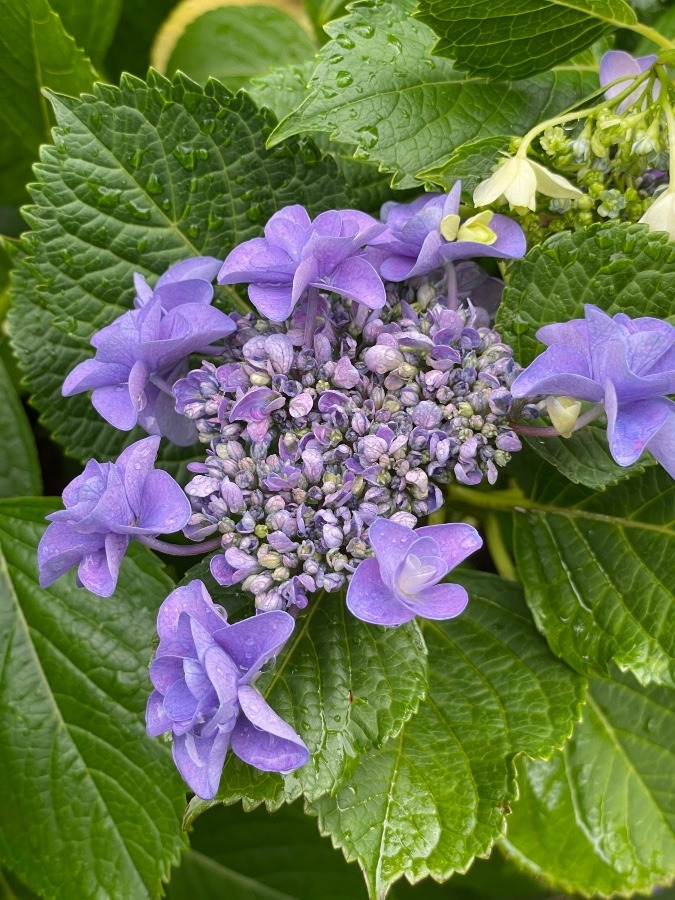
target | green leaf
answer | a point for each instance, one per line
(236, 43)
(35, 52)
(585, 459)
(345, 687)
(281, 854)
(599, 818)
(471, 164)
(378, 88)
(91, 22)
(665, 25)
(321, 12)
(618, 267)
(504, 39)
(19, 465)
(436, 796)
(282, 90)
(598, 567)
(141, 176)
(91, 805)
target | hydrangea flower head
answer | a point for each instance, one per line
(297, 253)
(202, 675)
(518, 180)
(107, 505)
(617, 64)
(402, 580)
(428, 233)
(141, 354)
(626, 364)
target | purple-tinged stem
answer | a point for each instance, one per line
(310, 317)
(547, 431)
(451, 283)
(180, 549)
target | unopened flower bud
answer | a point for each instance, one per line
(563, 413)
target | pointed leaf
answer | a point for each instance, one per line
(518, 38)
(141, 176)
(378, 88)
(598, 568)
(436, 796)
(35, 52)
(19, 464)
(85, 791)
(618, 267)
(607, 800)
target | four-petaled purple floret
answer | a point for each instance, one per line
(628, 365)
(402, 580)
(106, 506)
(298, 253)
(143, 352)
(428, 233)
(202, 677)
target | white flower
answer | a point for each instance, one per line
(563, 413)
(661, 214)
(518, 180)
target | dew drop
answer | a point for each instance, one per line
(344, 41)
(366, 31)
(343, 79)
(153, 185)
(193, 231)
(185, 155)
(395, 43)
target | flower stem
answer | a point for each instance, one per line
(451, 285)
(577, 115)
(179, 549)
(652, 34)
(547, 431)
(670, 121)
(499, 552)
(310, 317)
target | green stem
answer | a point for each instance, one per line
(652, 34)
(670, 121)
(499, 552)
(504, 501)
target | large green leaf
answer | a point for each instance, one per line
(282, 90)
(471, 164)
(585, 459)
(140, 177)
(599, 818)
(436, 796)
(518, 38)
(19, 465)
(618, 267)
(378, 88)
(91, 806)
(345, 687)
(599, 569)
(236, 43)
(91, 22)
(35, 52)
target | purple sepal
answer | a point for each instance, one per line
(626, 364)
(413, 245)
(297, 253)
(402, 579)
(104, 508)
(617, 64)
(201, 675)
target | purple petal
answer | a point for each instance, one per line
(164, 507)
(289, 229)
(115, 405)
(272, 301)
(357, 280)
(179, 703)
(391, 542)
(61, 548)
(558, 370)
(370, 600)
(257, 261)
(172, 296)
(662, 445)
(252, 642)
(262, 739)
(256, 405)
(204, 268)
(631, 426)
(156, 720)
(164, 670)
(94, 374)
(99, 571)
(455, 541)
(194, 600)
(442, 601)
(200, 761)
(134, 465)
(396, 268)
